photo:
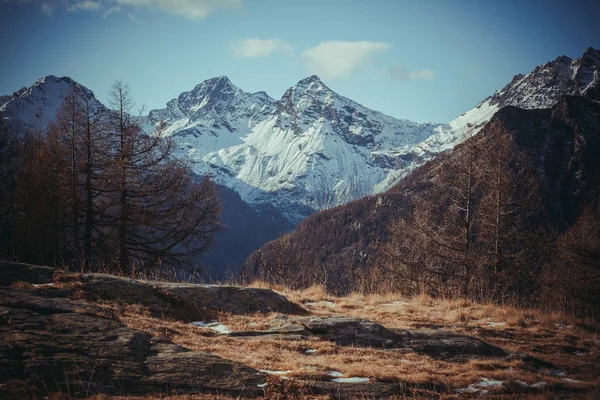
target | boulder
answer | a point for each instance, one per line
(193, 299)
(349, 331)
(11, 272)
(233, 299)
(446, 345)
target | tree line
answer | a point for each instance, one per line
(94, 191)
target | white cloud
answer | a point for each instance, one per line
(190, 9)
(257, 48)
(47, 8)
(85, 5)
(133, 18)
(337, 59)
(400, 72)
(111, 10)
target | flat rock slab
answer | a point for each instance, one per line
(191, 300)
(349, 331)
(69, 345)
(445, 345)
(11, 272)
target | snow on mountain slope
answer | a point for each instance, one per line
(212, 116)
(315, 150)
(32, 108)
(541, 88)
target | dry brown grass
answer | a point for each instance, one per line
(21, 285)
(552, 337)
(548, 336)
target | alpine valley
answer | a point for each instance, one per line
(279, 161)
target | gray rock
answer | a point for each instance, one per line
(349, 331)
(445, 345)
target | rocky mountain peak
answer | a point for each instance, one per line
(312, 85)
(217, 84)
(215, 101)
(543, 87)
(309, 98)
(592, 54)
(32, 108)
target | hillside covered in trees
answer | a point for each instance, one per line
(511, 214)
(94, 191)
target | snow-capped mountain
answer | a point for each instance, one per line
(311, 150)
(32, 108)
(541, 88)
(212, 116)
(315, 150)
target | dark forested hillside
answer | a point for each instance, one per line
(242, 230)
(491, 209)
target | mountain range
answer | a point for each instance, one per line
(313, 149)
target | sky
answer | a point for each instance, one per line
(422, 60)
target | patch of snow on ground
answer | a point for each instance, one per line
(562, 326)
(36, 285)
(273, 372)
(571, 380)
(355, 379)
(213, 325)
(335, 374)
(478, 387)
(395, 303)
(329, 304)
(310, 351)
(494, 324)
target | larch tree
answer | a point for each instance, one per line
(445, 215)
(157, 211)
(511, 196)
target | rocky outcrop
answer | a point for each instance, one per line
(447, 346)
(196, 300)
(11, 272)
(349, 331)
(75, 347)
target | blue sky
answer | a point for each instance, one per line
(420, 60)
